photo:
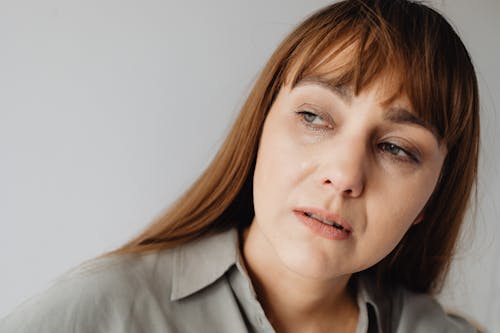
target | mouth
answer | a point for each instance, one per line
(325, 221)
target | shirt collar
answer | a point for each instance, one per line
(200, 263)
(378, 299)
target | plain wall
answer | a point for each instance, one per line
(109, 109)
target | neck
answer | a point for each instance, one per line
(294, 303)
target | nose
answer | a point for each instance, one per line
(343, 170)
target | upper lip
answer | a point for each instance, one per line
(327, 215)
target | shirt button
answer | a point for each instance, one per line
(260, 321)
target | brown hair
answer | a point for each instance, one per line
(434, 70)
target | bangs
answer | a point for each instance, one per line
(357, 44)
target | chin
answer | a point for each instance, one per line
(309, 262)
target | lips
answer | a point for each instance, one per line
(326, 217)
(330, 223)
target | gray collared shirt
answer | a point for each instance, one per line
(201, 286)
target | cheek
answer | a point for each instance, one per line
(391, 213)
(269, 170)
(398, 199)
(280, 167)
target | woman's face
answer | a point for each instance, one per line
(365, 166)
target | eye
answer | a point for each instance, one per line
(313, 120)
(398, 152)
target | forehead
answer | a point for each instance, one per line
(347, 68)
(386, 89)
(340, 67)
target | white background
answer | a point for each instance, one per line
(109, 109)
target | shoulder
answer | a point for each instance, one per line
(153, 292)
(94, 295)
(396, 309)
(423, 313)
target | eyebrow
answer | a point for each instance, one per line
(398, 115)
(343, 91)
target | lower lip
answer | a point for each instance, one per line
(321, 229)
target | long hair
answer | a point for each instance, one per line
(432, 67)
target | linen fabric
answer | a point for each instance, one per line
(200, 286)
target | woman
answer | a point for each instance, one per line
(334, 204)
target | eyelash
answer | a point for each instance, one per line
(384, 146)
(309, 124)
(409, 157)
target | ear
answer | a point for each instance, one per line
(419, 218)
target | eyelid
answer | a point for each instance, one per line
(312, 126)
(409, 148)
(413, 153)
(312, 109)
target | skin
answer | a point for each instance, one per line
(342, 161)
